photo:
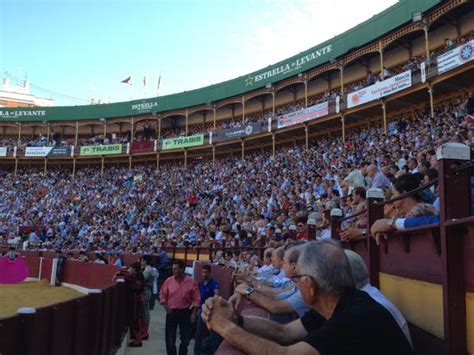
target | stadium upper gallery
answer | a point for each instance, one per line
(321, 205)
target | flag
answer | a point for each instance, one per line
(144, 80)
(127, 80)
(159, 81)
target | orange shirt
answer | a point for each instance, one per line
(179, 295)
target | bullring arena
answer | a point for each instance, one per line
(316, 147)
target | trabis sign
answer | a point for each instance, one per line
(108, 149)
(183, 142)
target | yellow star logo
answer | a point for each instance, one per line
(249, 81)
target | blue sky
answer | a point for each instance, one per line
(85, 48)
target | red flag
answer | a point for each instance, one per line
(127, 81)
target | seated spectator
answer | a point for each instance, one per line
(281, 310)
(360, 275)
(410, 206)
(342, 319)
(267, 268)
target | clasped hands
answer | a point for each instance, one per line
(217, 313)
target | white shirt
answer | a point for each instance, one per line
(325, 234)
(378, 296)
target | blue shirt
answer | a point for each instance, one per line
(162, 260)
(207, 290)
(413, 222)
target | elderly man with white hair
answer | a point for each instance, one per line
(342, 319)
(360, 274)
(379, 180)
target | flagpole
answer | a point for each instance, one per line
(158, 86)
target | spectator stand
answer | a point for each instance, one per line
(428, 271)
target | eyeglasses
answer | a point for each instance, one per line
(296, 278)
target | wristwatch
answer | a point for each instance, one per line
(249, 291)
(390, 222)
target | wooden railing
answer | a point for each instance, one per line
(93, 324)
(428, 271)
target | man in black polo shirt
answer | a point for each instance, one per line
(342, 320)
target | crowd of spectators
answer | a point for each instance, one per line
(232, 203)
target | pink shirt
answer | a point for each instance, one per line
(179, 295)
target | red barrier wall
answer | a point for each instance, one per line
(88, 275)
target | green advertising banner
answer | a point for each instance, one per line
(108, 149)
(183, 142)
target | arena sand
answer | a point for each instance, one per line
(32, 294)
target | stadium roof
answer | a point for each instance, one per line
(364, 33)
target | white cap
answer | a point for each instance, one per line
(336, 212)
(292, 227)
(375, 193)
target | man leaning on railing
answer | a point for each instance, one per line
(342, 319)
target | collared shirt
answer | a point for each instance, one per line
(207, 290)
(380, 181)
(179, 295)
(358, 325)
(277, 281)
(267, 270)
(355, 178)
(150, 274)
(389, 306)
(297, 303)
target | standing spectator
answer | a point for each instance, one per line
(385, 74)
(134, 280)
(449, 44)
(370, 78)
(379, 180)
(180, 297)
(355, 178)
(208, 287)
(162, 265)
(149, 274)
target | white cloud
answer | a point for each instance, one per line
(290, 27)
